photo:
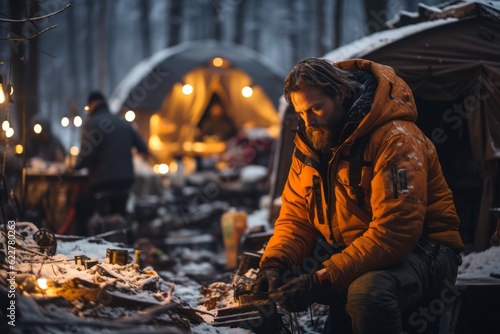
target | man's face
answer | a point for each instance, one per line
(321, 114)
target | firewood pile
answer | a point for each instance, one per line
(85, 293)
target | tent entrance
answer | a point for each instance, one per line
(215, 123)
(187, 112)
(446, 124)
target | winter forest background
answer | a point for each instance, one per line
(93, 44)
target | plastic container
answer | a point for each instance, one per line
(233, 224)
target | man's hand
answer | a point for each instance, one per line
(270, 277)
(301, 292)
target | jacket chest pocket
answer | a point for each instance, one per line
(314, 201)
(359, 193)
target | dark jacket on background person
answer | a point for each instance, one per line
(106, 148)
(390, 221)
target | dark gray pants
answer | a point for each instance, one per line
(376, 301)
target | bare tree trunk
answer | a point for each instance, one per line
(339, 7)
(24, 60)
(108, 50)
(102, 44)
(89, 55)
(303, 14)
(175, 22)
(217, 22)
(240, 22)
(252, 11)
(204, 22)
(376, 16)
(294, 35)
(72, 47)
(17, 56)
(31, 77)
(320, 27)
(145, 7)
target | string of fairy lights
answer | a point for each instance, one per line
(72, 120)
(246, 91)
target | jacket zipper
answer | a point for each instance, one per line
(319, 200)
(328, 194)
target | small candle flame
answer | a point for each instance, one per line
(42, 283)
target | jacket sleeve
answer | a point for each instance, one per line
(294, 235)
(138, 142)
(398, 203)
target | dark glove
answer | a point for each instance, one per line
(301, 292)
(270, 277)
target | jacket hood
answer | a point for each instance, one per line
(393, 98)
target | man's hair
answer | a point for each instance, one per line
(323, 74)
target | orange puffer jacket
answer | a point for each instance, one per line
(403, 187)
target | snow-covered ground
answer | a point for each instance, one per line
(197, 279)
(481, 265)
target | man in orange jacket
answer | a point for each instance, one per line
(368, 224)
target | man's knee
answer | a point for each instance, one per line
(374, 314)
(373, 290)
(373, 283)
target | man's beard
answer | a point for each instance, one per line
(320, 136)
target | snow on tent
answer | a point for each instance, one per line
(169, 115)
(450, 57)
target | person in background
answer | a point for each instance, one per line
(217, 126)
(45, 144)
(367, 223)
(107, 142)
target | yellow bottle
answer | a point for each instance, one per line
(233, 224)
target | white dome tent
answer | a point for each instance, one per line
(154, 90)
